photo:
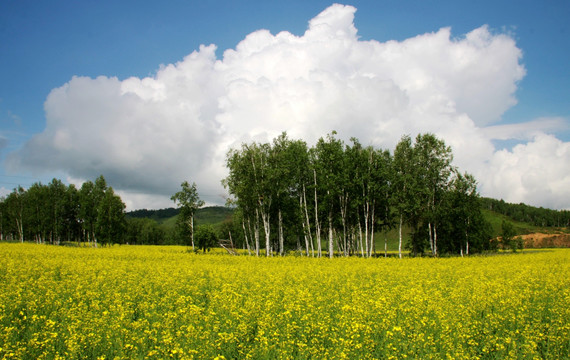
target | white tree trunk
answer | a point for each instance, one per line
(317, 223)
(372, 218)
(304, 226)
(360, 239)
(435, 240)
(267, 230)
(366, 214)
(400, 237)
(256, 232)
(430, 239)
(343, 210)
(20, 227)
(467, 237)
(305, 222)
(331, 247)
(281, 239)
(309, 235)
(245, 236)
(192, 231)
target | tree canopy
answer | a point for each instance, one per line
(336, 196)
(55, 212)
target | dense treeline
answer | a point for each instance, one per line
(332, 198)
(153, 214)
(93, 214)
(54, 213)
(529, 214)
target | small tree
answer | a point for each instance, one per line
(205, 237)
(508, 236)
(188, 201)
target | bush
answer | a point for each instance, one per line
(205, 237)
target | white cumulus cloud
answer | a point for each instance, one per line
(148, 135)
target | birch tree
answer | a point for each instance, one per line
(329, 167)
(249, 184)
(433, 164)
(188, 201)
(88, 211)
(404, 185)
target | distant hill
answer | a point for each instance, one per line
(534, 216)
(206, 215)
(213, 214)
(158, 215)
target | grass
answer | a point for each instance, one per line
(521, 228)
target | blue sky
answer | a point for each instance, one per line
(43, 45)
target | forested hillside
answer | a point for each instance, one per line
(158, 215)
(536, 216)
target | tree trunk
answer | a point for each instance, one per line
(343, 199)
(435, 240)
(267, 230)
(467, 237)
(317, 223)
(430, 239)
(372, 218)
(192, 231)
(20, 228)
(305, 222)
(360, 238)
(256, 232)
(281, 240)
(309, 233)
(331, 247)
(366, 214)
(400, 237)
(245, 236)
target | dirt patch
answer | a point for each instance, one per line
(541, 240)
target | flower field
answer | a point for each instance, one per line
(163, 302)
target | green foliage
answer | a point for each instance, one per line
(145, 231)
(533, 216)
(205, 237)
(508, 236)
(56, 213)
(212, 215)
(188, 201)
(158, 215)
(346, 193)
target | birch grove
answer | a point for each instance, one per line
(348, 193)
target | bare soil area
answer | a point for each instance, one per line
(541, 240)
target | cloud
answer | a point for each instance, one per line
(526, 130)
(4, 192)
(535, 172)
(148, 135)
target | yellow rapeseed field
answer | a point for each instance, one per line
(135, 302)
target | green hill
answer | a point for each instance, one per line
(521, 228)
(167, 217)
(213, 215)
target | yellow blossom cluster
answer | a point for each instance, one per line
(145, 302)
